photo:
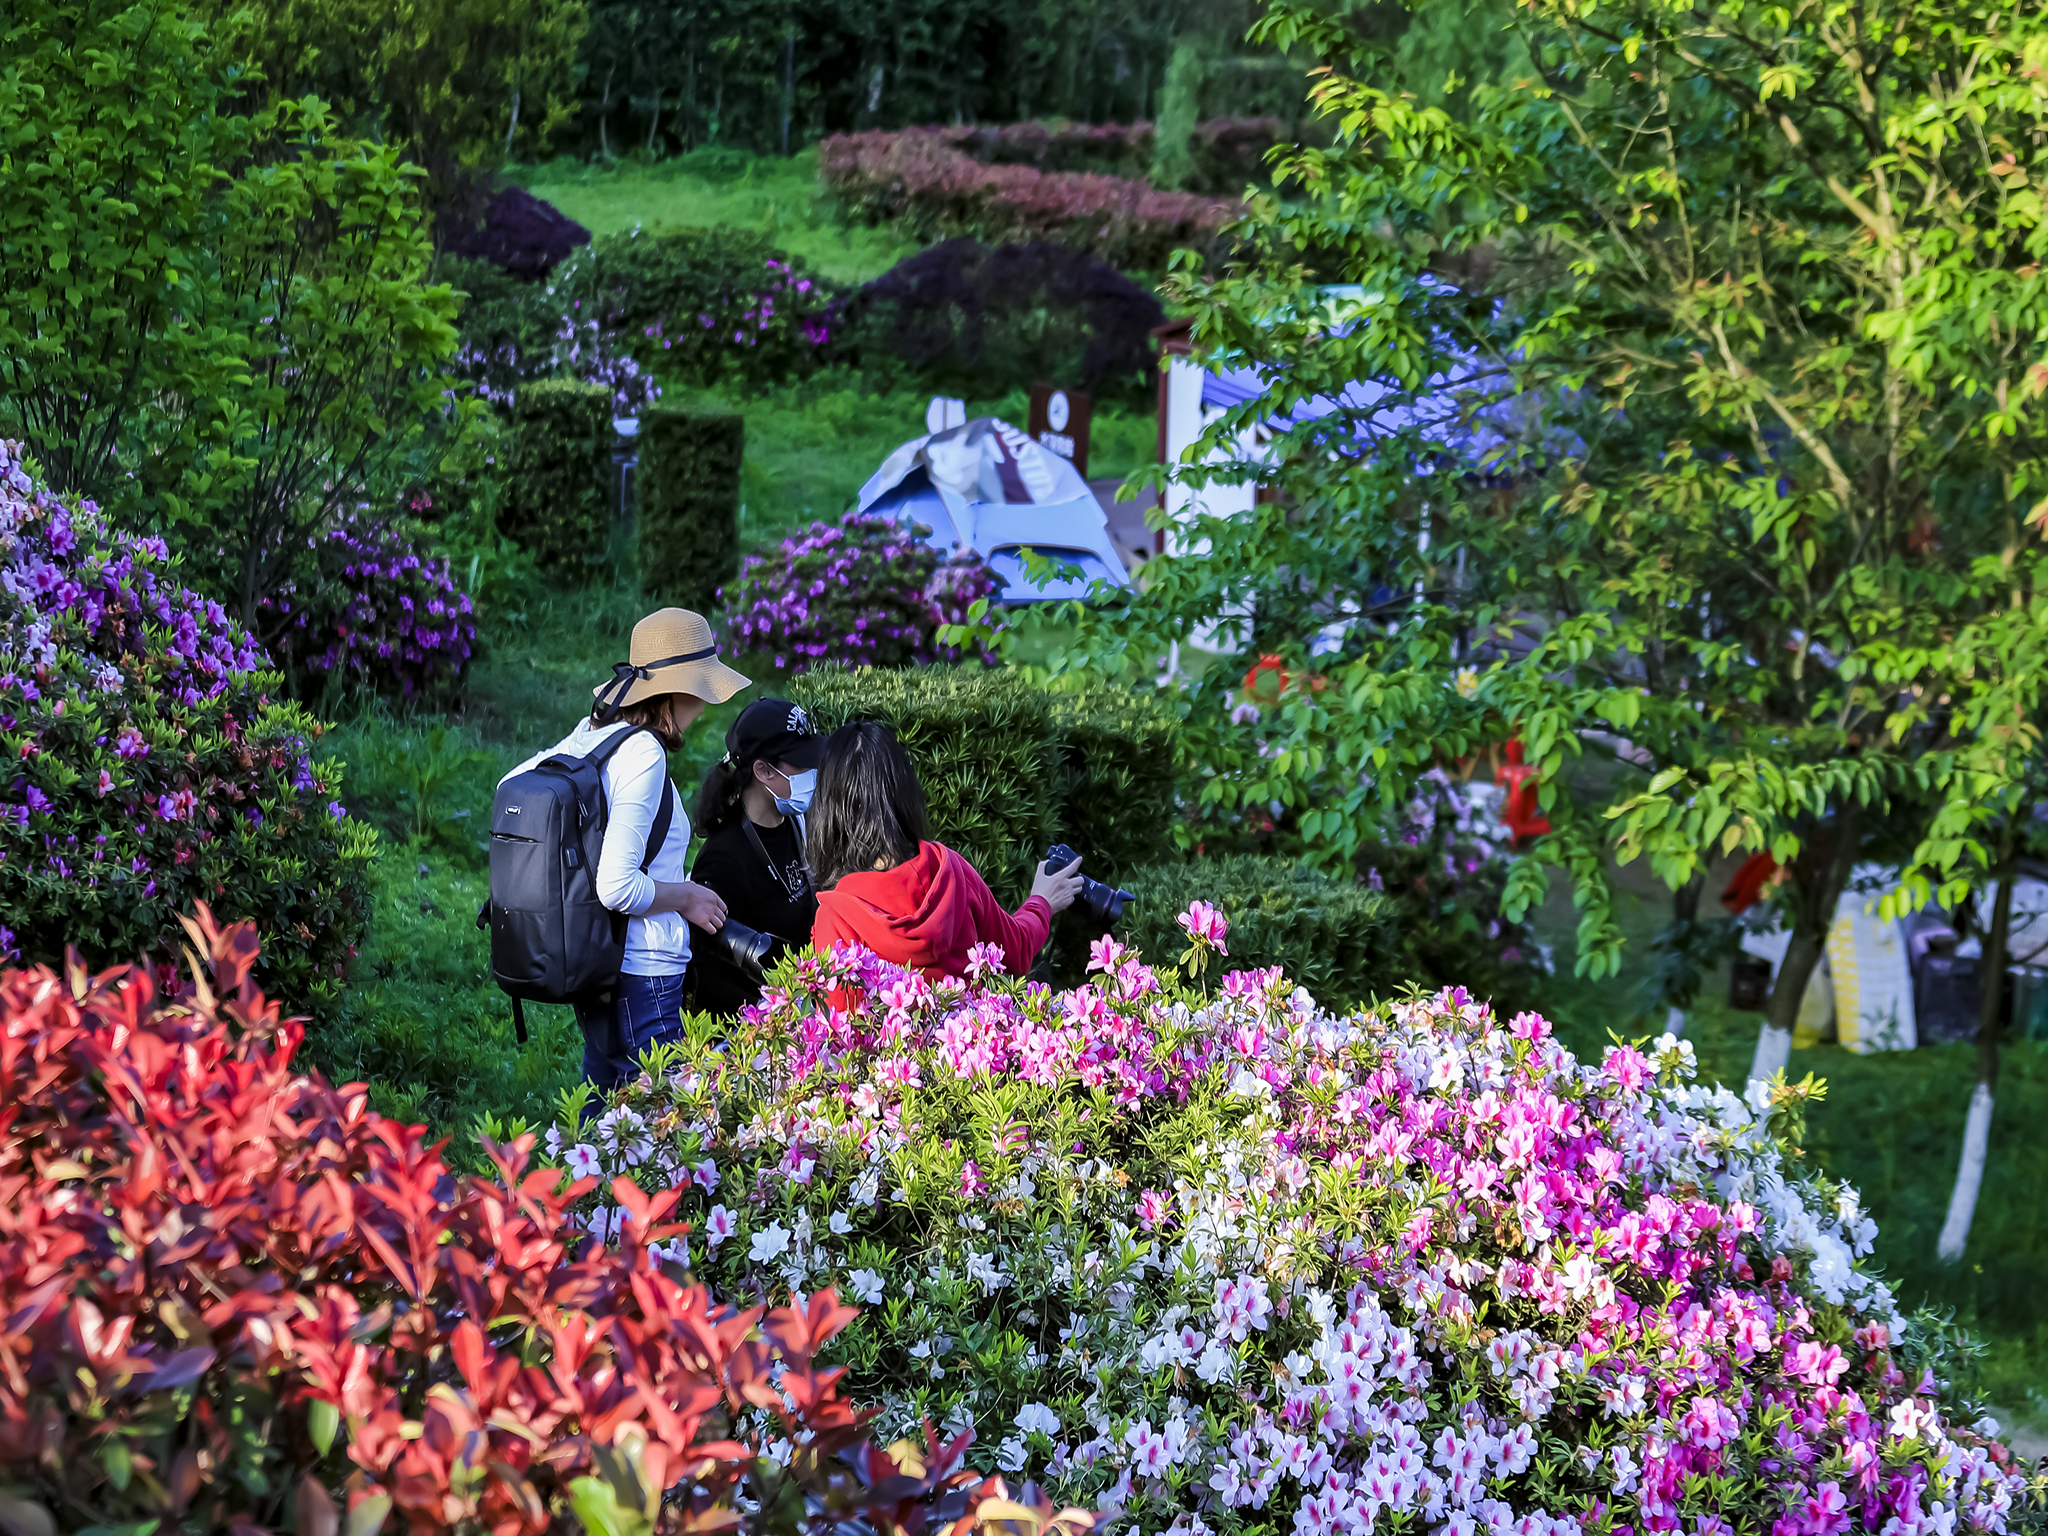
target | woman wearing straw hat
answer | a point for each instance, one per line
(651, 700)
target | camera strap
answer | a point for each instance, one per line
(798, 888)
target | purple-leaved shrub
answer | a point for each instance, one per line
(864, 591)
(149, 763)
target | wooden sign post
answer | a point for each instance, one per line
(1059, 421)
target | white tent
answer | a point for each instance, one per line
(984, 486)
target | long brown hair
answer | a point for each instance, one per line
(869, 807)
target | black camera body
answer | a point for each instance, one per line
(1104, 901)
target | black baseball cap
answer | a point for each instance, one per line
(775, 731)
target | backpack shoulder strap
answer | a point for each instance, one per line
(664, 816)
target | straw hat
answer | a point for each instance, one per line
(673, 652)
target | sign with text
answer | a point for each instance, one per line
(1059, 421)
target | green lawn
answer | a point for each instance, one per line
(779, 198)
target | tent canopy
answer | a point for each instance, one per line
(986, 487)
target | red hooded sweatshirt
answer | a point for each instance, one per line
(926, 913)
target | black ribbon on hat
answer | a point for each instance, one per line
(625, 675)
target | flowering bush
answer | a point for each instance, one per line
(1229, 1263)
(236, 1297)
(921, 177)
(375, 614)
(634, 310)
(866, 592)
(149, 764)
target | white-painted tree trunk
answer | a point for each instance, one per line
(1674, 1023)
(1962, 1203)
(1773, 1053)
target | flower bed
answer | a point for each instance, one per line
(921, 177)
(863, 592)
(376, 615)
(237, 1298)
(1231, 1263)
(150, 764)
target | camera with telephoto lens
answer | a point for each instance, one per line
(1106, 902)
(747, 950)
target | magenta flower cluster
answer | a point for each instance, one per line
(149, 765)
(375, 615)
(1228, 1263)
(865, 591)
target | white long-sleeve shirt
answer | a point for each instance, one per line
(657, 944)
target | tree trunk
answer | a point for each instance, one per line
(1962, 1201)
(604, 115)
(1685, 915)
(512, 127)
(788, 86)
(1820, 876)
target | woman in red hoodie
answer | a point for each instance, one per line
(884, 884)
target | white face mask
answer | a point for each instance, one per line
(801, 787)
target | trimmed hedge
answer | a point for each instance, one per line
(982, 741)
(1333, 937)
(1118, 781)
(687, 502)
(1009, 767)
(558, 474)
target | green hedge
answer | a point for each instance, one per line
(686, 496)
(558, 474)
(982, 741)
(1118, 783)
(1334, 937)
(1010, 767)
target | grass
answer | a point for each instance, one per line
(779, 198)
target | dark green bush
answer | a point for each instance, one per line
(686, 496)
(1118, 777)
(1008, 766)
(558, 474)
(1335, 938)
(983, 745)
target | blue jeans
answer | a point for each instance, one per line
(644, 1011)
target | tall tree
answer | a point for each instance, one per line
(209, 322)
(1670, 384)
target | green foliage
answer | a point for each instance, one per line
(1331, 936)
(1117, 795)
(982, 742)
(1749, 472)
(656, 79)
(239, 339)
(558, 471)
(1009, 767)
(105, 248)
(686, 495)
(457, 85)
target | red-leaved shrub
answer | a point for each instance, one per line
(238, 1299)
(925, 179)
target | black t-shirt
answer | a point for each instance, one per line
(730, 865)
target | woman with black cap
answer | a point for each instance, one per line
(750, 815)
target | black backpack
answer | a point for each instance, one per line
(552, 940)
